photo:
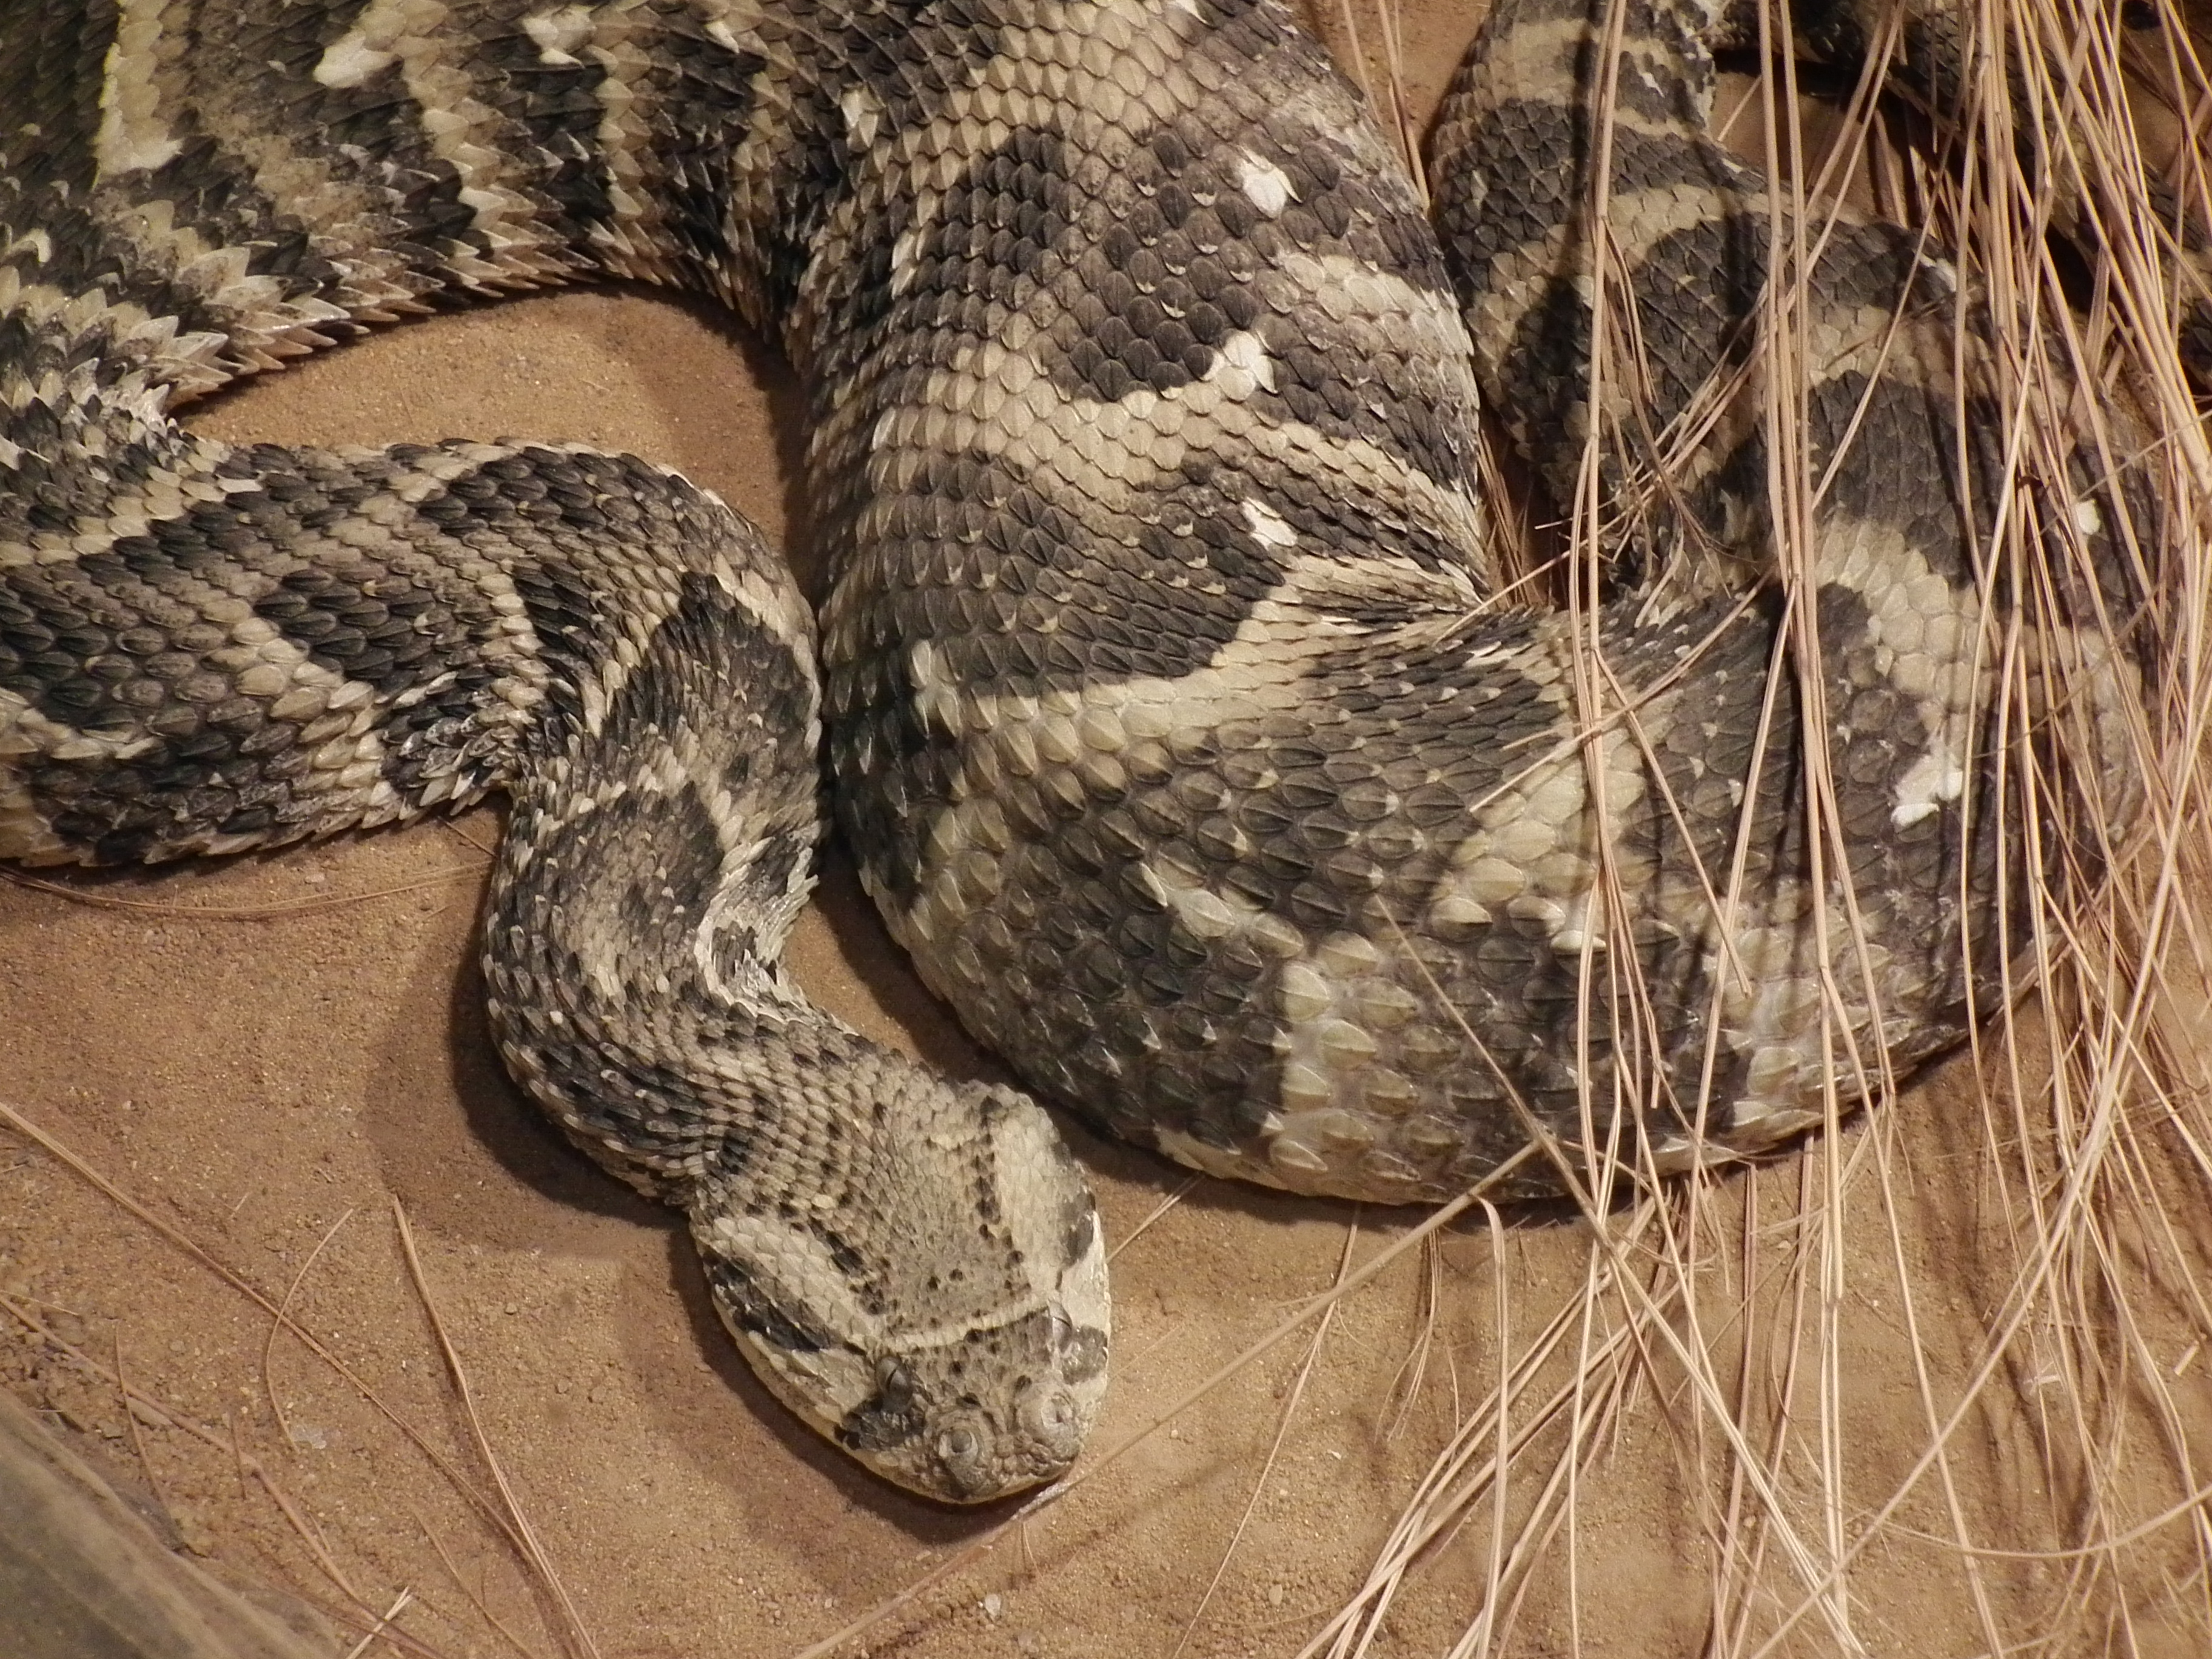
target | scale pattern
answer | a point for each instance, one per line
(1179, 718)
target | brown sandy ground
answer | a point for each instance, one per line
(272, 1055)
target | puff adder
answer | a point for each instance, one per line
(1173, 708)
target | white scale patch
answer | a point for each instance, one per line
(1926, 629)
(1268, 527)
(1267, 185)
(351, 61)
(719, 31)
(905, 262)
(39, 245)
(559, 33)
(1939, 271)
(864, 115)
(1933, 779)
(1241, 367)
(133, 136)
(760, 981)
(740, 901)
(1223, 1163)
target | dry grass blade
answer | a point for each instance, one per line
(57, 1149)
(162, 1417)
(500, 1514)
(1738, 1305)
(1283, 1420)
(284, 1317)
(571, 1620)
(137, 1440)
(1443, 1217)
(240, 912)
(1412, 1371)
(476, 1599)
(400, 1605)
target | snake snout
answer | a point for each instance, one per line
(980, 1461)
(975, 1460)
(1008, 1409)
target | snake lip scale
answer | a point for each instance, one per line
(1185, 730)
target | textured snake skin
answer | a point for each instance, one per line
(1185, 737)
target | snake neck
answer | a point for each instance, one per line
(913, 1265)
(653, 863)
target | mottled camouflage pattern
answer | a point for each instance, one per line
(205, 648)
(1180, 728)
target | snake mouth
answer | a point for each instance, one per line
(962, 1453)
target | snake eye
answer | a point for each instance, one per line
(894, 1381)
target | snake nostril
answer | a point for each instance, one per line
(1051, 1417)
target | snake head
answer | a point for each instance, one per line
(934, 1301)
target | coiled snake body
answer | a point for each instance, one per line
(1181, 732)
